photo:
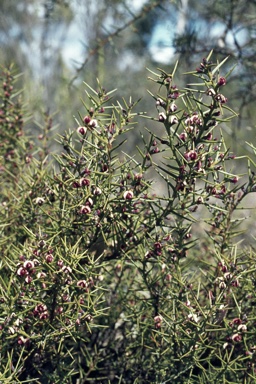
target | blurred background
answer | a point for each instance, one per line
(58, 44)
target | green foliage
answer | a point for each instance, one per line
(108, 277)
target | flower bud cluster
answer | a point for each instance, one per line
(204, 67)
(228, 277)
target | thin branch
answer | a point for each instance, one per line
(146, 9)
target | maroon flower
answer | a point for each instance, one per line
(222, 81)
(66, 269)
(234, 179)
(173, 120)
(173, 107)
(161, 117)
(76, 184)
(84, 182)
(236, 337)
(22, 272)
(28, 264)
(87, 119)
(85, 209)
(221, 98)
(183, 136)
(210, 92)
(191, 155)
(97, 191)
(158, 319)
(49, 258)
(82, 284)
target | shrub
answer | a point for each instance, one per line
(108, 277)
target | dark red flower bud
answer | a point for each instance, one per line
(234, 179)
(222, 81)
(84, 182)
(76, 184)
(87, 119)
(85, 209)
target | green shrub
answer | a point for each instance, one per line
(109, 277)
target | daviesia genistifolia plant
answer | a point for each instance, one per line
(127, 268)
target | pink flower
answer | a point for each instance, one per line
(87, 119)
(221, 98)
(22, 272)
(85, 209)
(28, 279)
(234, 179)
(173, 107)
(211, 92)
(183, 136)
(160, 102)
(97, 191)
(49, 258)
(161, 117)
(236, 337)
(82, 284)
(66, 269)
(41, 275)
(93, 123)
(242, 328)
(23, 340)
(191, 155)
(84, 182)
(82, 130)
(173, 120)
(28, 264)
(128, 195)
(89, 202)
(39, 200)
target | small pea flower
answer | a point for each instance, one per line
(39, 200)
(234, 179)
(210, 92)
(93, 123)
(84, 182)
(173, 107)
(28, 264)
(161, 117)
(82, 130)
(242, 328)
(221, 98)
(236, 337)
(97, 191)
(85, 209)
(82, 284)
(222, 81)
(160, 102)
(22, 271)
(87, 120)
(173, 120)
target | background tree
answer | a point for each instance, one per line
(114, 41)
